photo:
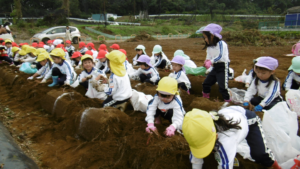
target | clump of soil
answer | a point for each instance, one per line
(141, 37)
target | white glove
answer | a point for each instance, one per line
(30, 78)
(43, 81)
(33, 66)
(207, 72)
(40, 77)
(67, 82)
(100, 87)
(89, 76)
(247, 85)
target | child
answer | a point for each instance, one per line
(90, 73)
(127, 65)
(251, 74)
(69, 47)
(4, 56)
(76, 59)
(221, 133)
(293, 78)
(179, 73)
(21, 55)
(49, 47)
(103, 47)
(8, 45)
(146, 73)
(102, 63)
(159, 59)
(166, 104)
(115, 47)
(62, 72)
(46, 63)
(265, 84)
(188, 61)
(91, 47)
(66, 52)
(82, 48)
(31, 55)
(15, 51)
(119, 89)
(140, 50)
(217, 56)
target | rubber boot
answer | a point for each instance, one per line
(276, 165)
(55, 81)
(206, 95)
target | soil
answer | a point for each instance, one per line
(141, 37)
(57, 139)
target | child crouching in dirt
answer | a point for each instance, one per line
(62, 72)
(159, 59)
(251, 74)
(69, 47)
(76, 59)
(88, 74)
(82, 48)
(146, 73)
(292, 80)
(119, 88)
(102, 62)
(46, 63)
(179, 73)
(217, 57)
(166, 104)
(221, 132)
(265, 85)
(140, 50)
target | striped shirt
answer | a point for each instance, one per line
(218, 53)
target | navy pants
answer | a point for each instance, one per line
(166, 115)
(295, 85)
(85, 84)
(162, 64)
(6, 58)
(256, 141)
(146, 78)
(182, 86)
(256, 101)
(110, 102)
(61, 77)
(218, 74)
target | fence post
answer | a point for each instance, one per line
(169, 35)
(101, 37)
(188, 34)
(179, 34)
(117, 36)
(133, 35)
(158, 35)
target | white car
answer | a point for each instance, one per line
(56, 32)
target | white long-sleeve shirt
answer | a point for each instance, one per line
(95, 54)
(83, 50)
(49, 48)
(218, 53)
(156, 60)
(99, 64)
(65, 68)
(289, 79)
(228, 141)
(175, 104)
(17, 57)
(44, 70)
(249, 78)
(29, 59)
(9, 52)
(70, 48)
(181, 78)
(268, 93)
(119, 87)
(152, 71)
(135, 59)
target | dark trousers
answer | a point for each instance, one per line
(85, 84)
(182, 86)
(256, 141)
(17, 63)
(166, 115)
(146, 78)
(61, 77)
(38, 65)
(218, 74)
(295, 85)
(110, 102)
(6, 58)
(256, 101)
(162, 64)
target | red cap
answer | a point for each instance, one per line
(21, 44)
(101, 54)
(76, 55)
(102, 47)
(124, 51)
(89, 52)
(14, 44)
(68, 42)
(61, 46)
(34, 44)
(81, 45)
(25, 43)
(1, 39)
(3, 43)
(115, 46)
(91, 45)
(49, 41)
(41, 45)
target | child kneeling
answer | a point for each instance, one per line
(62, 72)
(46, 63)
(179, 73)
(146, 73)
(167, 104)
(88, 74)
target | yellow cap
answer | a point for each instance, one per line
(168, 85)
(31, 50)
(43, 56)
(58, 52)
(23, 50)
(200, 132)
(14, 49)
(116, 59)
(8, 41)
(86, 56)
(40, 50)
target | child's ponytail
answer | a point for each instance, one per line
(222, 124)
(50, 63)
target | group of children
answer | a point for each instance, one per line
(204, 131)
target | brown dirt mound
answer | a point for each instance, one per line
(142, 37)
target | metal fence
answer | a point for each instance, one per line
(278, 26)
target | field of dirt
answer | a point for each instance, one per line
(56, 136)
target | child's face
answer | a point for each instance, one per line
(206, 38)
(176, 67)
(165, 98)
(88, 64)
(56, 60)
(112, 49)
(263, 74)
(156, 54)
(78, 59)
(102, 59)
(30, 54)
(144, 67)
(44, 62)
(8, 45)
(139, 51)
(89, 48)
(68, 44)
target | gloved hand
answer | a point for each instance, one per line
(100, 87)
(43, 81)
(89, 76)
(30, 78)
(77, 67)
(258, 108)
(207, 72)
(170, 131)
(94, 83)
(247, 85)
(40, 77)
(207, 64)
(67, 83)
(150, 128)
(33, 66)
(245, 104)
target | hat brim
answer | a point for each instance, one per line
(263, 66)
(177, 63)
(204, 151)
(295, 70)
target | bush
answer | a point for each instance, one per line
(40, 22)
(111, 19)
(32, 32)
(165, 30)
(21, 24)
(196, 36)
(250, 24)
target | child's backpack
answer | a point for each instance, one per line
(296, 49)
